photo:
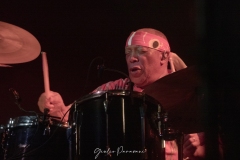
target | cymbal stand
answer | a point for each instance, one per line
(160, 132)
(168, 134)
(180, 138)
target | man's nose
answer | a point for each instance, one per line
(133, 57)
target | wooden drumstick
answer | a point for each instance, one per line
(45, 74)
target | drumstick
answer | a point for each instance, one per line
(45, 74)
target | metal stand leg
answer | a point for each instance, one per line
(180, 138)
(163, 149)
(168, 133)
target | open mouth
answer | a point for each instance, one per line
(135, 69)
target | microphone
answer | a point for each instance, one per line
(102, 68)
(18, 100)
(15, 94)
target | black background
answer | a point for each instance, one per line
(73, 33)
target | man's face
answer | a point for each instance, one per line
(144, 64)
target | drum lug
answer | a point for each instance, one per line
(10, 123)
(105, 103)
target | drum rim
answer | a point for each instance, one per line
(22, 121)
(101, 93)
(115, 93)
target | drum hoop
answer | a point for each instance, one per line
(116, 93)
(23, 121)
(60, 124)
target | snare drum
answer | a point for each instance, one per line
(118, 124)
(27, 137)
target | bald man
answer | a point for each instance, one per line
(147, 55)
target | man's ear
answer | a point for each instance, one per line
(164, 58)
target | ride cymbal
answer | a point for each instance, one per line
(17, 45)
(181, 95)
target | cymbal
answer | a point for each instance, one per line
(181, 95)
(17, 45)
(4, 65)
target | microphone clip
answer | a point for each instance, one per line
(16, 96)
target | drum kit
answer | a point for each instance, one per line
(117, 124)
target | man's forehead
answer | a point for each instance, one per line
(136, 47)
(148, 40)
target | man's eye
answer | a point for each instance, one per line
(127, 51)
(143, 51)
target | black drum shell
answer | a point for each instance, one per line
(27, 137)
(126, 139)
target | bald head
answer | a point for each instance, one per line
(153, 31)
(149, 37)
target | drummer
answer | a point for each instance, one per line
(148, 57)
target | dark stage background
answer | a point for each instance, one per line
(73, 33)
